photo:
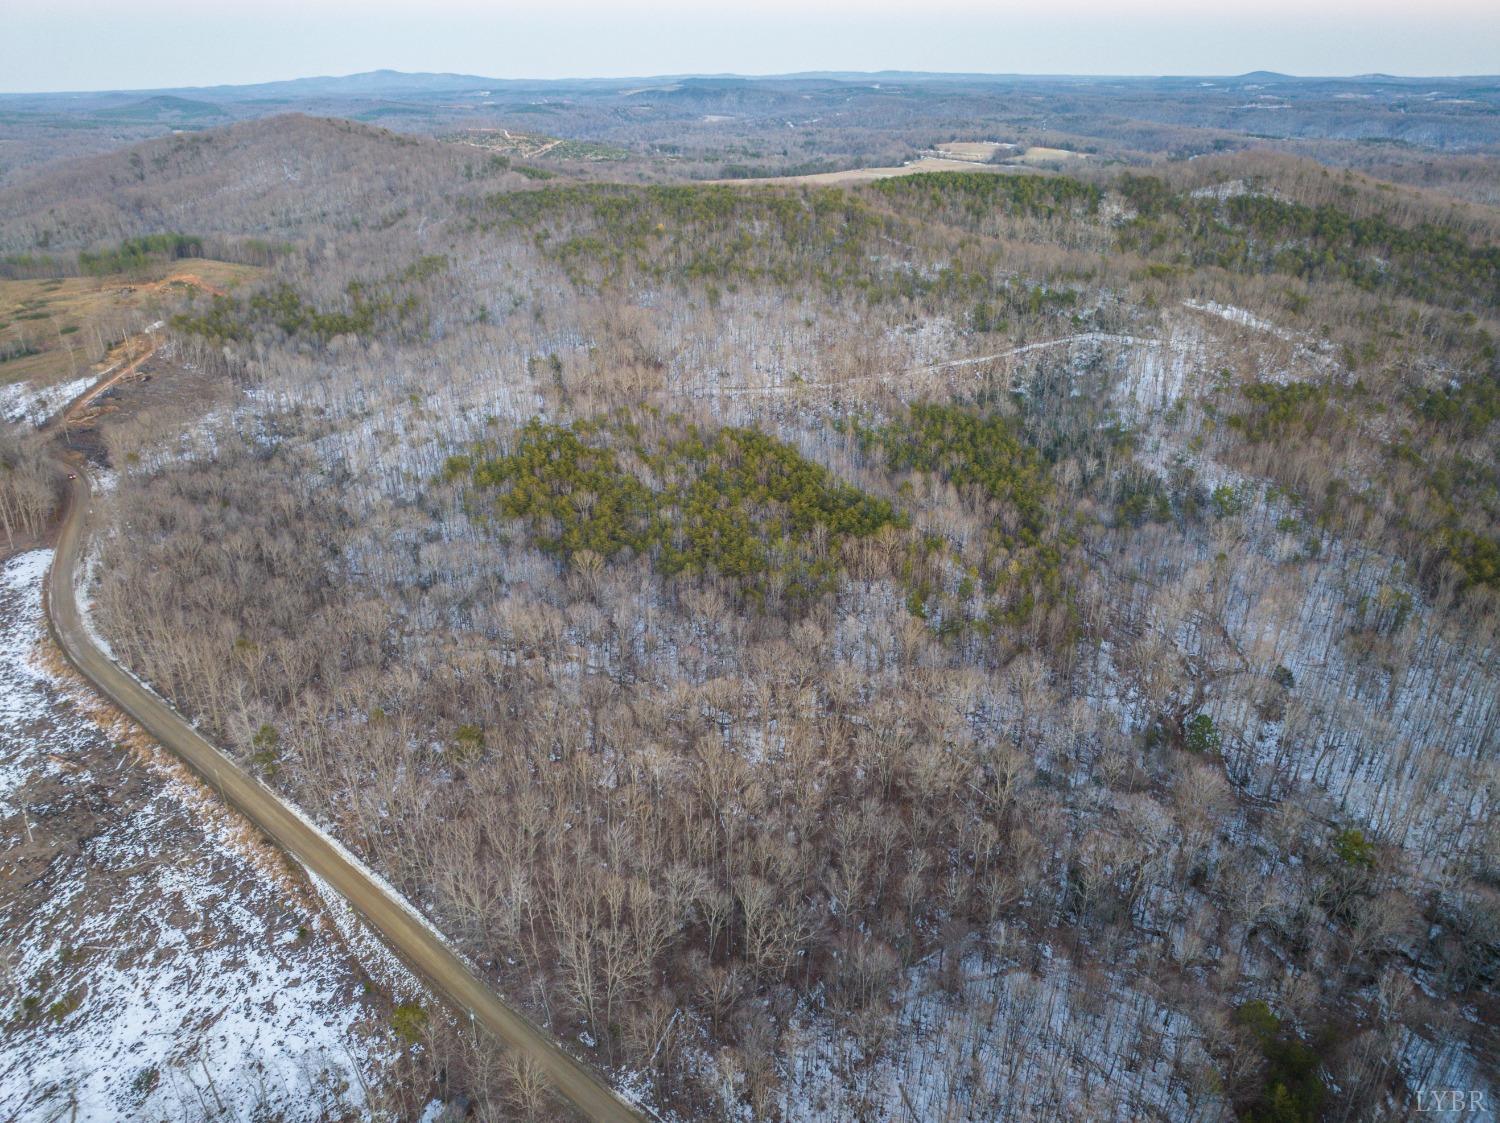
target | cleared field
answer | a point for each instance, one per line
(975, 151)
(1039, 154)
(530, 146)
(865, 175)
(56, 329)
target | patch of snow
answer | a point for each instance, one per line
(22, 701)
(178, 993)
(1429, 1067)
(1221, 191)
(1043, 1041)
(1236, 316)
(21, 401)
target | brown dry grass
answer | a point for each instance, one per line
(70, 321)
(977, 151)
(865, 175)
(1040, 154)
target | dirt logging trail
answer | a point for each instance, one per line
(194, 280)
(387, 913)
(904, 378)
(134, 353)
(129, 355)
(189, 280)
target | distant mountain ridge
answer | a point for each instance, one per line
(387, 82)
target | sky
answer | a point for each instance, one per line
(141, 44)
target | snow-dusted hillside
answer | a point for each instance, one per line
(158, 963)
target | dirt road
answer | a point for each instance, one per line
(382, 908)
(903, 378)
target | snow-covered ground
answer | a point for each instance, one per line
(1376, 740)
(1236, 316)
(21, 401)
(1069, 1041)
(1011, 1043)
(156, 962)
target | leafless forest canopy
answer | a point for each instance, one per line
(1013, 643)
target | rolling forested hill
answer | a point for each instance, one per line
(1015, 642)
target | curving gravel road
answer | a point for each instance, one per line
(386, 912)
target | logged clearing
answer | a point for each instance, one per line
(973, 151)
(57, 328)
(865, 175)
(158, 951)
(1039, 154)
(530, 146)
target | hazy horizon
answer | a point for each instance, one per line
(97, 45)
(757, 76)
